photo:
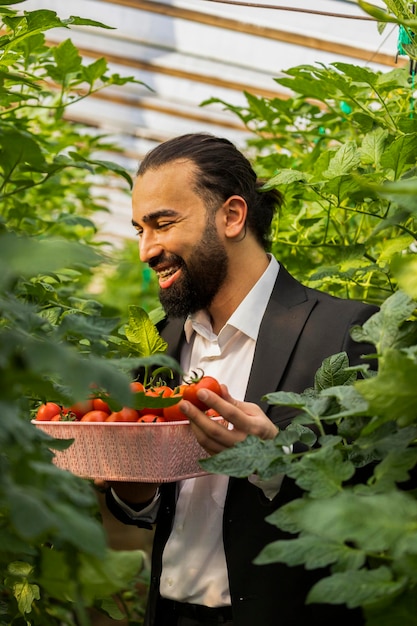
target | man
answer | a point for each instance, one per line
(235, 313)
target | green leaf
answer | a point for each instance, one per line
(42, 19)
(350, 400)
(372, 522)
(18, 147)
(403, 192)
(395, 468)
(373, 146)
(84, 533)
(307, 550)
(391, 395)
(111, 607)
(285, 177)
(82, 21)
(250, 456)
(401, 152)
(105, 576)
(143, 333)
(404, 269)
(395, 246)
(286, 398)
(376, 12)
(108, 165)
(28, 256)
(29, 514)
(383, 329)
(344, 160)
(25, 594)
(56, 576)
(109, 573)
(322, 472)
(313, 404)
(354, 589)
(68, 60)
(357, 73)
(332, 372)
(400, 610)
(94, 71)
(296, 432)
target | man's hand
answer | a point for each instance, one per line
(247, 419)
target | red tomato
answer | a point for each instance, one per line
(126, 414)
(100, 405)
(149, 418)
(94, 416)
(212, 413)
(47, 411)
(136, 386)
(80, 408)
(172, 413)
(205, 382)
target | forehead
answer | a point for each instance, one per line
(168, 183)
(167, 191)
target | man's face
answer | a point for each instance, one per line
(178, 238)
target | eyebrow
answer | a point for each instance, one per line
(150, 217)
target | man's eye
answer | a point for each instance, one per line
(162, 225)
(138, 232)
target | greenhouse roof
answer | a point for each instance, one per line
(186, 52)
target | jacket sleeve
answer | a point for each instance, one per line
(143, 517)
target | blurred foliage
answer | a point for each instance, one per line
(127, 281)
(57, 339)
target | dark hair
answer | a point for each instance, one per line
(223, 172)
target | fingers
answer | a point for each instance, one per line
(246, 417)
(212, 435)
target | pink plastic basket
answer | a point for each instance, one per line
(128, 451)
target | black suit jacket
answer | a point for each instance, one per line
(300, 328)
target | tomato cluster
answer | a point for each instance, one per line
(96, 409)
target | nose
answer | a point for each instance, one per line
(149, 247)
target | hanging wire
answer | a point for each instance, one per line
(256, 5)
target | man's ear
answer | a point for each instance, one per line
(234, 212)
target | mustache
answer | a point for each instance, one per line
(171, 259)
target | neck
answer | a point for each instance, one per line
(242, 276)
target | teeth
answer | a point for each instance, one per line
(167, 272)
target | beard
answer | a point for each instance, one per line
(201, 276)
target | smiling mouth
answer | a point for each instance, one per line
(168, 276)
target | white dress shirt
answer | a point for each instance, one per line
(194, 566)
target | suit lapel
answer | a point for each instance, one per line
(173, 333)
(284, 319)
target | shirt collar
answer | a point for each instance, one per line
(248, 315)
